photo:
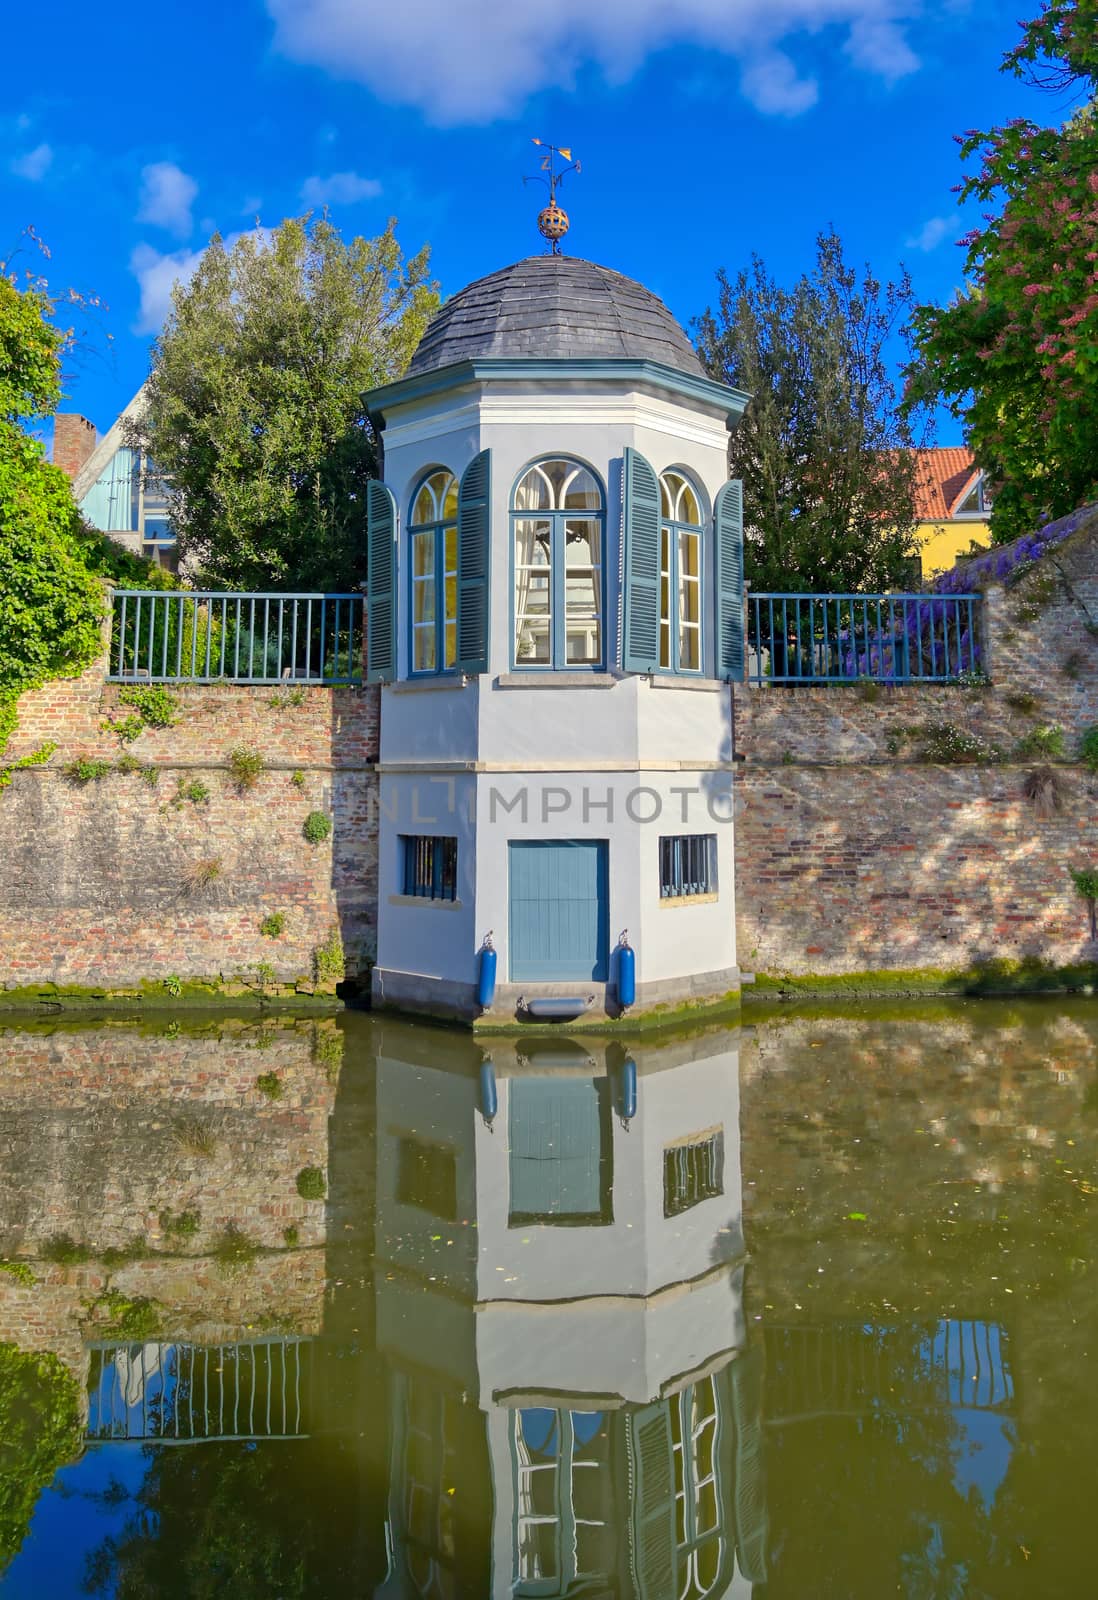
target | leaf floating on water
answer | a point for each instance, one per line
(855, 1216)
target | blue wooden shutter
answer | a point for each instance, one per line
(381, 576)
(641, 531)
(728, 525)
(652, 1473)
(473, 583)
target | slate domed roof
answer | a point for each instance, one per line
(555, 307)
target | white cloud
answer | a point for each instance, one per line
(484, 59)
(931, 234)
(771, 84)
(252, 206)
(157, 272)
(340, 189)
(156, 276)
(167, 194)
(35, 164)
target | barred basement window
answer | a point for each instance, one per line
(688, 865)
(692, 1173)
(430, 866)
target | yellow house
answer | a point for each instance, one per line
(953, 505)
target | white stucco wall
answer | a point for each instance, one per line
(571, 748)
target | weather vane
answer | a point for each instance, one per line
(553, 221)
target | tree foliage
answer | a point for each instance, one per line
(826, 460)
(51, 604)
(40, 1431)
(1016, 354)
(255, 410)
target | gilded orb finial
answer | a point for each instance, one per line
(553, 221)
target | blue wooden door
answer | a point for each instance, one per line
(559, 913)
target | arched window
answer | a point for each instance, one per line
(680, 574)
(557, 517)
(432, 531)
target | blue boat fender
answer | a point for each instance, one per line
(489, 1099)
(627, 972)
(628, 1090)
(486, 982)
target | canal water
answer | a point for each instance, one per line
(357, 1308)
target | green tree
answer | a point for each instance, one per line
(255, 411)
(1016, 354)
(41, 1432)
(826, 459)
(51, 604)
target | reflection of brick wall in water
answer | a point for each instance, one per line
(102, 1130)
(96, 880)
(853, 855)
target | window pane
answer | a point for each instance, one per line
(423, 555)
(449, 500)
(533, 593)
(688, 555)
(583, 590)
(690, 650)
(423, 648)
(423, 600)
(451, 644)
(558, 485)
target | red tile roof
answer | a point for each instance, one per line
(945, 476)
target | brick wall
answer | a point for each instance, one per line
(97, 882)
(854, 855)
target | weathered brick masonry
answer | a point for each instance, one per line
(97, 880)
(853, 855)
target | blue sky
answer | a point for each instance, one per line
(707, 129)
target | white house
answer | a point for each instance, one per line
(575, 1407)
(555, 612)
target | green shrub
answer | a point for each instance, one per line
(291, 1236)
(150, 776)
(273, 926)
(85, 770)
(180, 1225)
(132, 1318)
(33, 758)
(316, 827)
(1021, 701)
(289, 697)
(298, 779)
(943, 744)
(328, 963)
(155, 705)
(269, 1084)
(1088, 748)
(311, 1184)
(173, 985)
(196, 792)
(1048, 741)
(20, 1272)
(1086, 883)
(127, 764)
(127, 730)
(246, 766)
(264, 974)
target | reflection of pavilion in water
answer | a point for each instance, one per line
(559, 1300)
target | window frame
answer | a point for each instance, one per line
(437, 529)
(678, 893)
(558, 570)
(443, 886)
(674, 529)
(563, 1517)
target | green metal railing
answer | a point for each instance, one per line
(201, 636)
